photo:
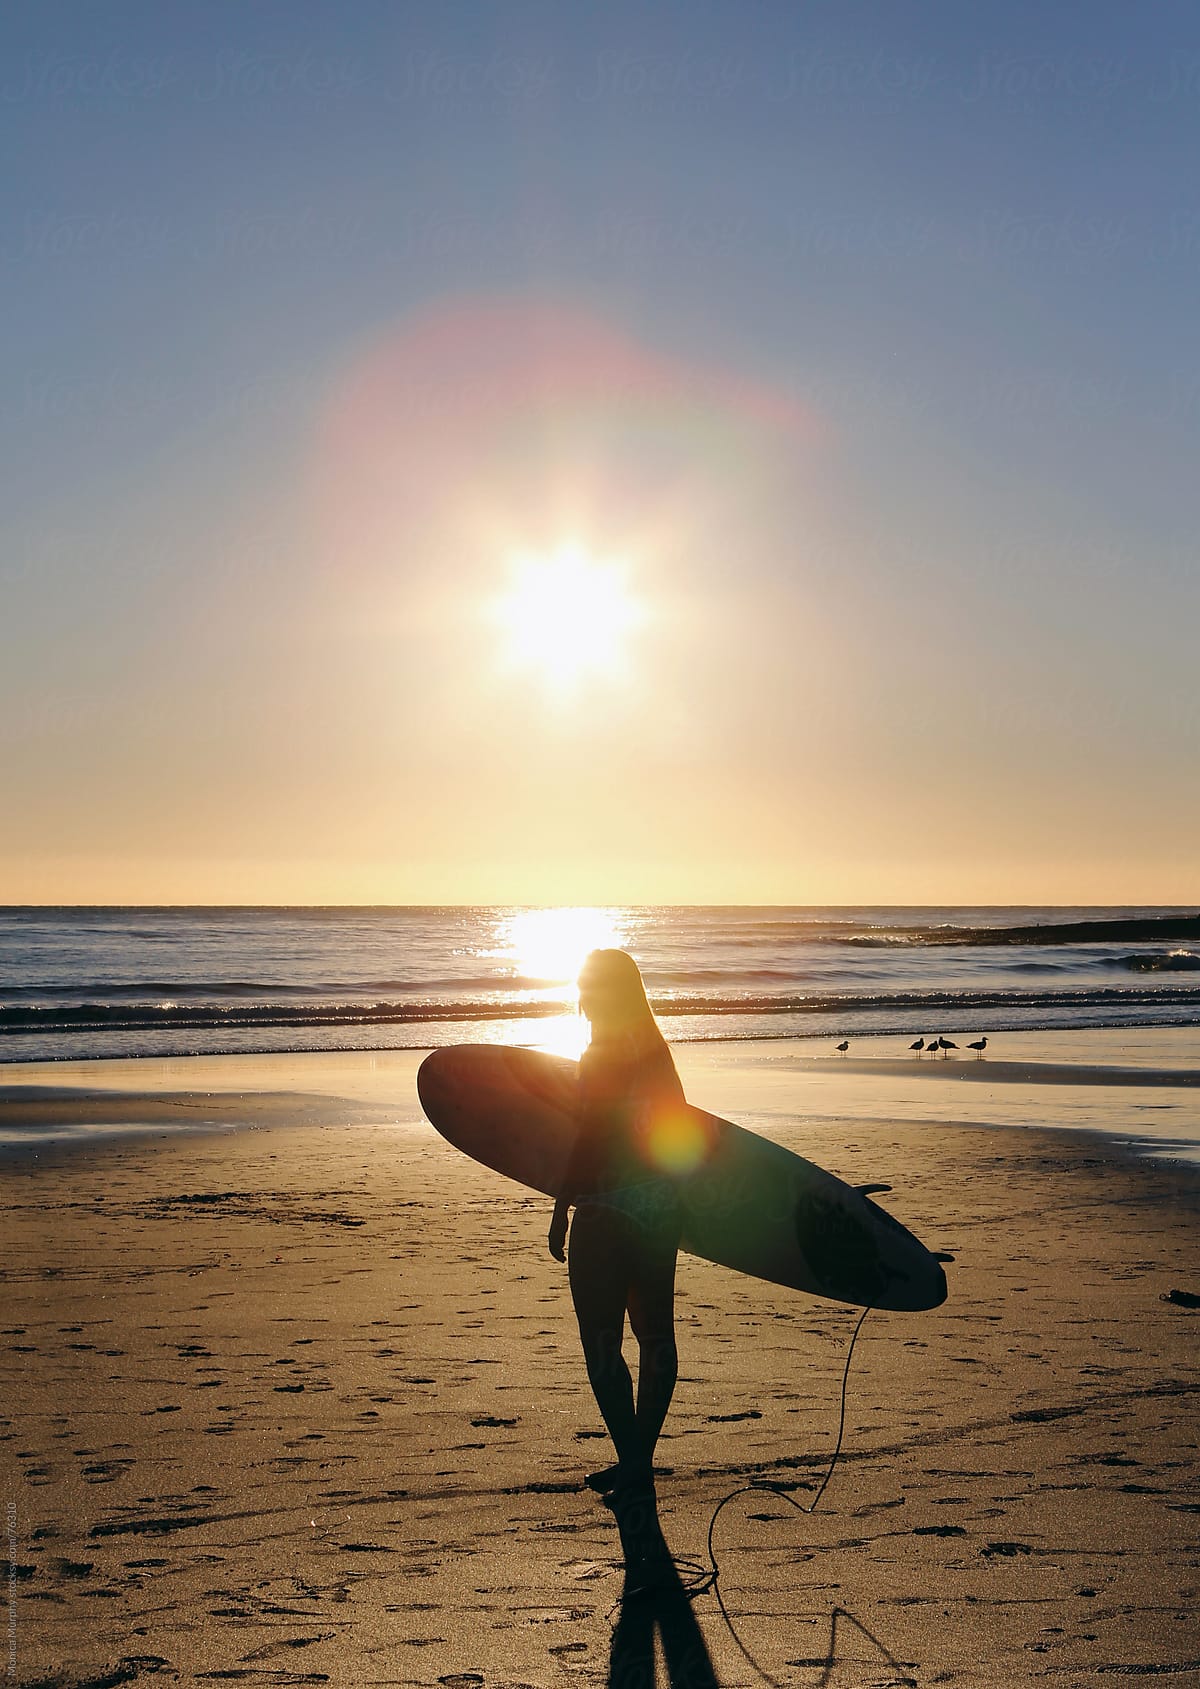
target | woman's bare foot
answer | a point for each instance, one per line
(625, 1477)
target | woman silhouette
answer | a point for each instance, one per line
(625, 1231)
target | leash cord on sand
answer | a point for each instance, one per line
(706, 1577)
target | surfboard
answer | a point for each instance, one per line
(748, 1203)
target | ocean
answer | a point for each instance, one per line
(100, 982)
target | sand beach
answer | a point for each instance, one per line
(293, 1395)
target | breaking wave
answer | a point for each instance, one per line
(1139, 930)
(958, 1005)
(1158, 962)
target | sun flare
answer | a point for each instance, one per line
(568, 617)
(551, 945)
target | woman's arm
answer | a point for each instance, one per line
(557, 1239)
(575, 1178)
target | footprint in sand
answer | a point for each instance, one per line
(104, 1471)
(71, 1568)
(270, 1649)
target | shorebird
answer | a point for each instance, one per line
(843, 1046)
(931, 1046)
(979, 1046)
(945, 1045)
(918, 1047)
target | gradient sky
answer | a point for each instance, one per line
(865, 335)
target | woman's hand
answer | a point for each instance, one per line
(558, 1233)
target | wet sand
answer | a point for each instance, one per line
(301, 1402)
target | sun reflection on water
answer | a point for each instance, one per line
(547, 948)
(562, 1035)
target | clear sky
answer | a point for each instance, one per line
(838, 362)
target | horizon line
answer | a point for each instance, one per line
(1183, 903)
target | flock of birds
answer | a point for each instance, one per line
(921, 1046)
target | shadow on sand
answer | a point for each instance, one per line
(655, 1599)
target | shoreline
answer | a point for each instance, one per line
(1126, 1087)
(557, 1016)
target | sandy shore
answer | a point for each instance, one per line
(303, 1403)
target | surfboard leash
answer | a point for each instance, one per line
(706, 1577)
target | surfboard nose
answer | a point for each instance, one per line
(437, 1083)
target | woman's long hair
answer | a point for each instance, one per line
(627, 1048)
(611, 987)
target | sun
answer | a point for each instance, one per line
(568, 617)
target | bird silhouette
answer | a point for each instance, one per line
(931, 1046)
(843, 1046)
(945, 1045)
(979, 1046)
(918, 1047)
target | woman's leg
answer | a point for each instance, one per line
(651, 1304)
(597, 1266)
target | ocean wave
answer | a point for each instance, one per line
(1134, 930)
(1156, 962)
(127, 1017)
(866, 934)
(253, 990)
(958, 1005)
(1041, 966)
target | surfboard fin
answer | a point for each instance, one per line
(870, 1190)
(941, 1255)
